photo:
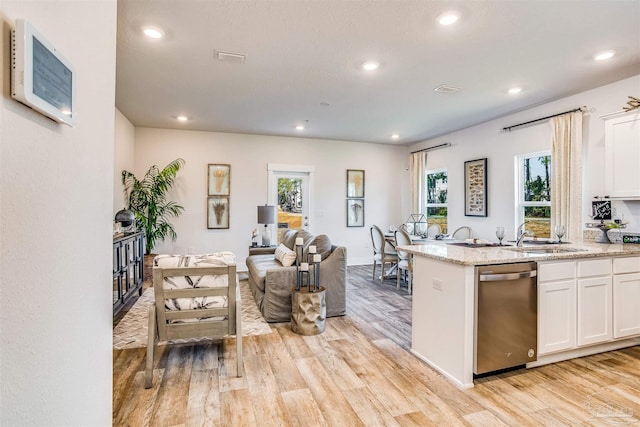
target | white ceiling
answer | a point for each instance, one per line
(304, 54)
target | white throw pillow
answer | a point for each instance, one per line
(285, 255)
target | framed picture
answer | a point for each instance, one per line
(219, 179)
(355, 183)
(355, 212)
(217, 212)
(475, 187)
(601, 209)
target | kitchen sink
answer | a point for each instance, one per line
(546, 250)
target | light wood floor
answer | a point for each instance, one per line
(359, 372)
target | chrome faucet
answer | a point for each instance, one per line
(521, 233)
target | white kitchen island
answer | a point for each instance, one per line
(444, 292)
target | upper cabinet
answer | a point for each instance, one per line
(622, 151)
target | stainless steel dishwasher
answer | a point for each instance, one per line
(506, 332)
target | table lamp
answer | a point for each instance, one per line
(266, 216)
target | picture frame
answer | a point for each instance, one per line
(355, 183)
(355, 212)
(601, 209)
(475, 187)
(218, 179)
(217, 212)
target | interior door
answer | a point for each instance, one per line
(291, 194)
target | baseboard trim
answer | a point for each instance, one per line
(584, 351)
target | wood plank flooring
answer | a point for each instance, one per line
(359, 372)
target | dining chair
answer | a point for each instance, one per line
(433, 230)
(196, 296)
(383, 252)
(462, 233)
(405, 259)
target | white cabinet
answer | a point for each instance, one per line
(556, 316)
(594, 301)
(574, 304)
(594, 310)
(556, 306)
(626, 297)
(622, 156)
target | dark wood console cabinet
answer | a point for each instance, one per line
(128, 265)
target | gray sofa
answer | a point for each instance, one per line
(271, 282)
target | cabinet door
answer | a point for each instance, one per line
(626, 305)
(594, 310)
(556, 316)
(622, 156)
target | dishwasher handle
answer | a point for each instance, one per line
(508, 276)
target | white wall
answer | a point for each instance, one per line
(486, 140)
(386, 179)
(124, 149)
(56, 190)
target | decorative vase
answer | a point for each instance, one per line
(604, 238)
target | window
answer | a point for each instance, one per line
(436, 207)
(534, 193)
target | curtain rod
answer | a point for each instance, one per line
(435, 147)
(508, 128)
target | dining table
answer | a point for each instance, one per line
(390, 237)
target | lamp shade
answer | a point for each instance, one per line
(266, 214)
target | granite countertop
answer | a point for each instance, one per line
(444, 251)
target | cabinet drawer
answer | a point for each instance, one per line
(594, 267)
(548, 271)
(626, 265)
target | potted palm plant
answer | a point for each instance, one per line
(147, 199)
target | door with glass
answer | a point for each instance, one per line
(291, 195)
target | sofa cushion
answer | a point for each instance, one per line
(323, 245)
(285, 255)
(289, 238)
(258, 266)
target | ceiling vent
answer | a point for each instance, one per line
(447, 89)
(221, 55)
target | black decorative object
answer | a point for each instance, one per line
(601, 209)
(307, 273)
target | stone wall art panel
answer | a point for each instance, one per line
(475, 187)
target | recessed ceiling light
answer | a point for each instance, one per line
(153, 32)
(227, 56)
(182, 118)
(448, 18)
(300, 127)
(395, 136)
(370, 65)
(514, 90)
(604, 55)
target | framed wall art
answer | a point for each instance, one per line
(355, 183)
(219, 179)
(355, 212)
(217, 212)
(475, 187)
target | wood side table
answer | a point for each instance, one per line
(262, 250)
(308, 311)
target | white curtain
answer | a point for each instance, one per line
(417, 164)
(566, 174)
